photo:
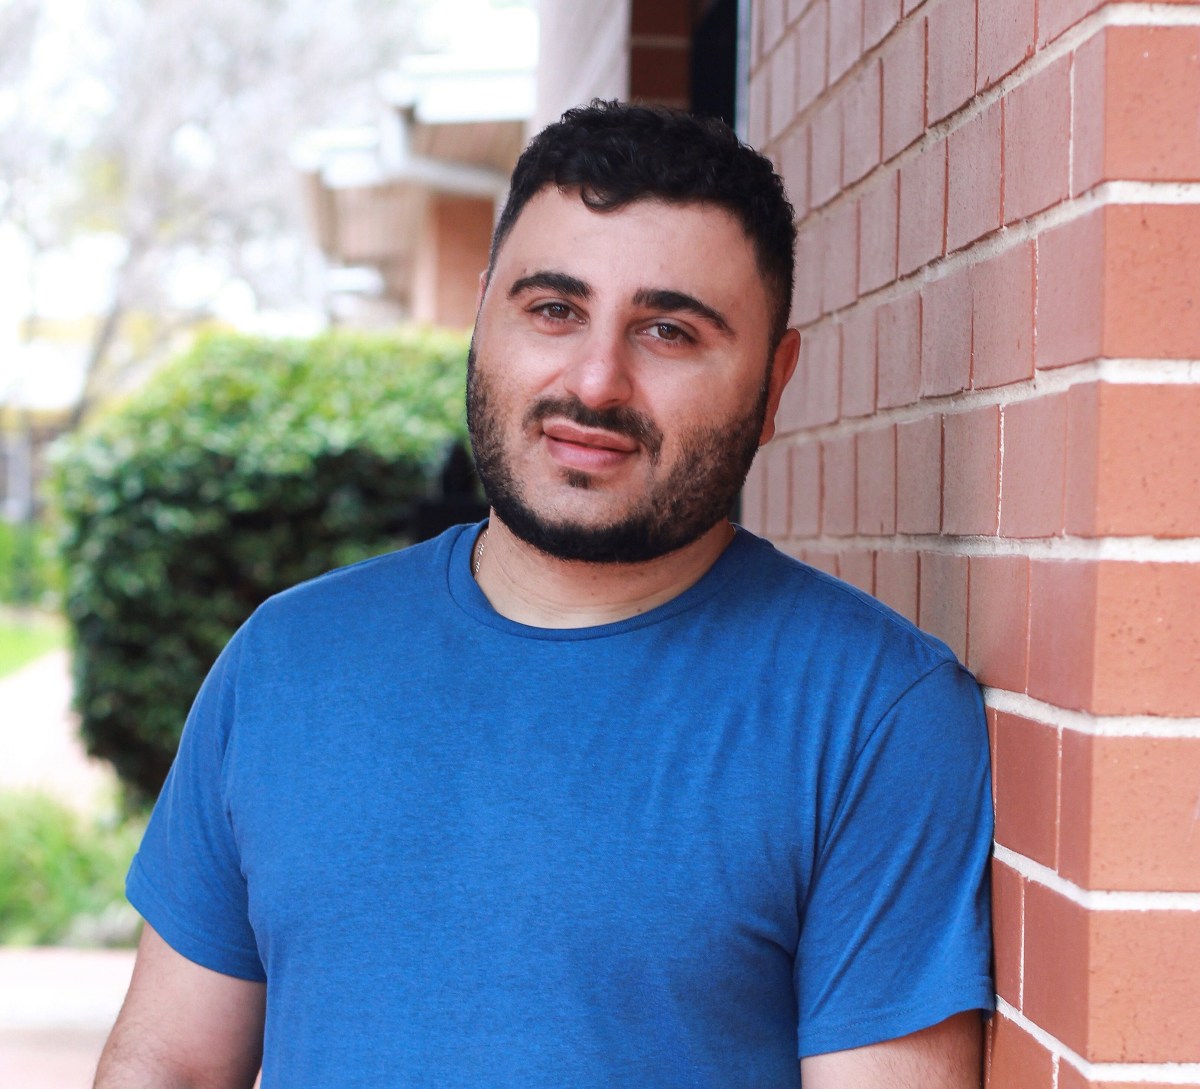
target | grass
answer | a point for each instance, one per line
(62, 875)
(25, 637)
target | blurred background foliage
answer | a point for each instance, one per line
(62, 874)
(245, 466)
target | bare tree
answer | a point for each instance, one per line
(184, 110)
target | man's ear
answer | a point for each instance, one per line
(783, 366)
(483, 282)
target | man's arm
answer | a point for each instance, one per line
(945, 1056)
(183, 1026)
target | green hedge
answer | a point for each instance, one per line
(246, 466)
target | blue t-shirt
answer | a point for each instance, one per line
(678, 850)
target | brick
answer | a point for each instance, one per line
(951, 58)
(811, 397)
(943, 599)
(759, 114)
(878, 218)
(822, 559)
(899, 351)
(1037, 142)
(1153, 97)
(781, 94)
(1005, 36)
(806, 489)
(1129, 812)
(858, 362)
(811, 68)
(861, 124)
(946, 334)
(838, 503)
(840, 256)
(1018, 1061)
(1002, 318)
(1147, 640)
(674, 17)
(769, 15)
(1083, 455)
(1032, 469)
(922, 208)
(1134, 460)
(875, 473)
(793, 168)
(857, 567)
(971, 472)
(1070, 292)
(1088, 78)
(659, 73)
(1152, 306)
(753, 499)
(806, 298)
(1062, 615)
(919, 475)
(1026, 787)
(825, 162)
(777, 463)
(1115, 638)
(1008, 895)
(896, 581)
(879, 17)
(1139, 1019)
(1056, 983)
(973, 186)
(845, 36)
(998, 621)
(1061, 15)
(903, 61)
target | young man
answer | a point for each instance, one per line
(604, 792)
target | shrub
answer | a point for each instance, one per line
(28, 567)
(61, 875)
(245, 467)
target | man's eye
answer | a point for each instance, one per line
(555, 311)
(664, 330)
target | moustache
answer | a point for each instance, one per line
(620, 421)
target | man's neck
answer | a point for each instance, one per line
(530, 587)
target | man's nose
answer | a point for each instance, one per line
(599, 373)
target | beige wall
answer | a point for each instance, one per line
(584, 54)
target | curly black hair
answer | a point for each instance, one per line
(615, 153)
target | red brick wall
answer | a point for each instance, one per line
(995, 427)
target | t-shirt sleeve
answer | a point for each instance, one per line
(186, 879)
(895, 930)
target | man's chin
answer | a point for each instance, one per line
(622, 540)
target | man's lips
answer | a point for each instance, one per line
(562, 431)
(585, 448)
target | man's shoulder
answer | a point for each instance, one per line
(816, 609)
(387, 581)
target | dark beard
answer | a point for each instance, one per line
(697, 494)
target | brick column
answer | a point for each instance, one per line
(995, 427)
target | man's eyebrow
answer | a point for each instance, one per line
(663, 299)
(571, 286)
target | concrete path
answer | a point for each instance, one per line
(56, 1005)
(39, 746)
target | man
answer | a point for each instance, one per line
(604, 792)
